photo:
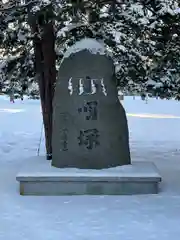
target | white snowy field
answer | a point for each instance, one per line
(92, 217)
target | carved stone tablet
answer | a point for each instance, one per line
(89, 123)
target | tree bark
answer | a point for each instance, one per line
(49, 74)
(45, 58)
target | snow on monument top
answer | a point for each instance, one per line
(92, 45)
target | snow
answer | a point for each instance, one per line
(70, 27)
(177, 11)
(2, 64)
(38, 167)
(21, 36)
(152, 82)
(42, 3)
(91, 217)
(91, 45)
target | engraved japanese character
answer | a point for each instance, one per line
(89, 138)
(90, 108)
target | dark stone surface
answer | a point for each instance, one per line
(89, 130)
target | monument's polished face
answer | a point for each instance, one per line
(89, 123)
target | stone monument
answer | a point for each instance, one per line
(89, 123)
(90, 134)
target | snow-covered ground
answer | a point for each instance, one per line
(92, 217)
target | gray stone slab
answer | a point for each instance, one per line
(87, 188)
(89, 123)
(38, 177)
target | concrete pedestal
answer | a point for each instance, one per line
(38, 177)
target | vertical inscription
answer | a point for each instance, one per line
(64, 139)
(63, 132)
(90, 137)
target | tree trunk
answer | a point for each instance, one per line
(45, 58)
(49, 74)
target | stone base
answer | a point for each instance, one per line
(38, 177)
